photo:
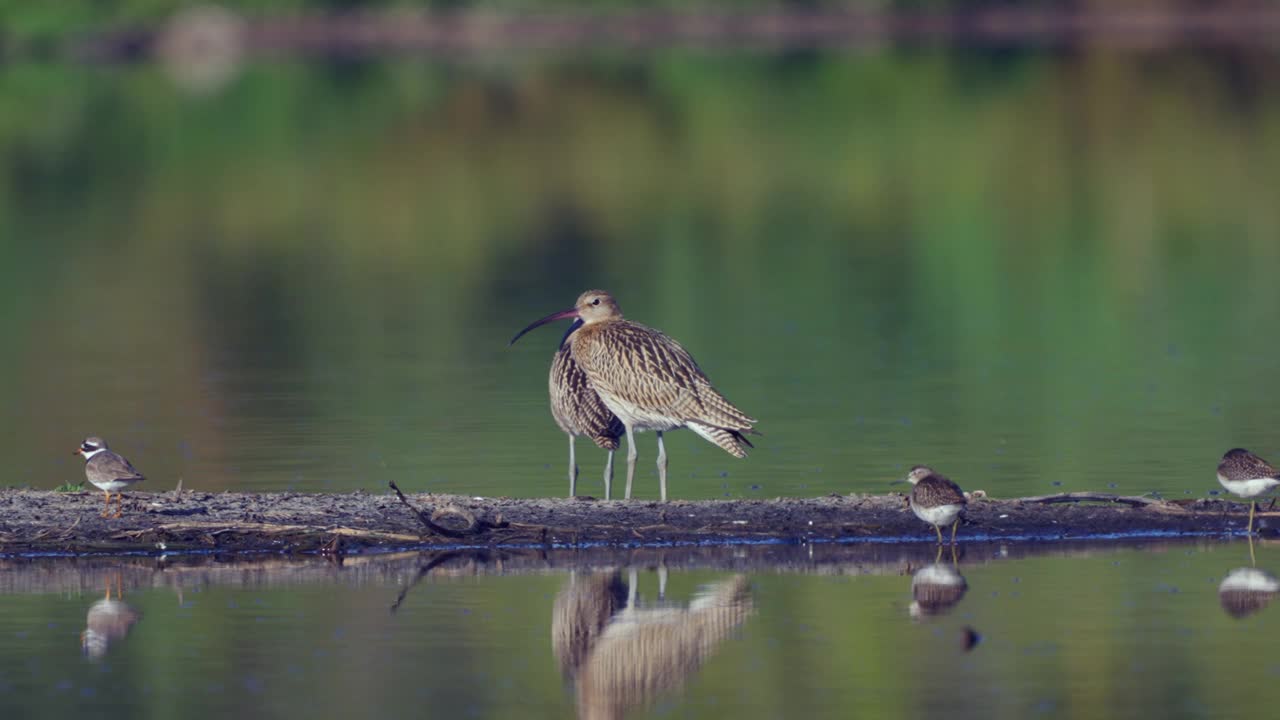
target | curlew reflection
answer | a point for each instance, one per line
(623, 653)
(1246, 590)
(935, 590)
(108, 621)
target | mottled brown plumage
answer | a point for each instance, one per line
(648, 380)
(578, 410)
(936, 500)
(1247, 475)
(1240, 464)
(936, 490)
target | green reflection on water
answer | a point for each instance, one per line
(1067, 631)
(1046, 268)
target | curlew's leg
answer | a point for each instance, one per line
(573, 469)
(631, 590)
(662, 581)
(608, 477)
(631, 460)
(662, 467)
(954, 526)
(938, 530)
(106, 506)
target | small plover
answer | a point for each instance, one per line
(108, 471)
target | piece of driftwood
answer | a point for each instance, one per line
(1132, 500)
(471, 525)
(36, 522)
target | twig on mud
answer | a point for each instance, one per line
(474, 525)
(67, 533)
(1132, 500)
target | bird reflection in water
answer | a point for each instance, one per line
(936, 588)
(108, 621)
(1246, 590)
(623, 654)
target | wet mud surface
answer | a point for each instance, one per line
(46, 522)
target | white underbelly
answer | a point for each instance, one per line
(1248, 488)
(112, 485)
(941, 515)
(640, 419)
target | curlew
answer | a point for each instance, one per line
(648, 380)
(936, 500)
(1248, 476)
(108, 471)
(578, 410)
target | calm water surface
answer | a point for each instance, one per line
(1057, 631)
(1032, 270)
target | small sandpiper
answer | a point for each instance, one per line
(936, 500)
(108, 471)
(1247, 475)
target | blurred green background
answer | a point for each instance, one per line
(1024, 266)
(256, 259)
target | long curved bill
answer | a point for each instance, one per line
(570, 313)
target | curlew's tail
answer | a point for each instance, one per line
(729, 440)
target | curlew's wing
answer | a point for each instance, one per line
(109, 464)
(643, 368)
(576, 407)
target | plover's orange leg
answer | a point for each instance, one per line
(106, 506)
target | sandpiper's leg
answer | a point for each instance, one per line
(954, 526)
(608, 476)
(938, 529)
(1253, 505)
(631, 460)
(1253, 561)
(662, 580)
(954, 559)
(631, 590)
(573, 469)
(938, 558)
(106, 506)
(662, 467)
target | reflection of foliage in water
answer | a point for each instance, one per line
(1007, 249)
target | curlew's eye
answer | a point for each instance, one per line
(596, 301)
